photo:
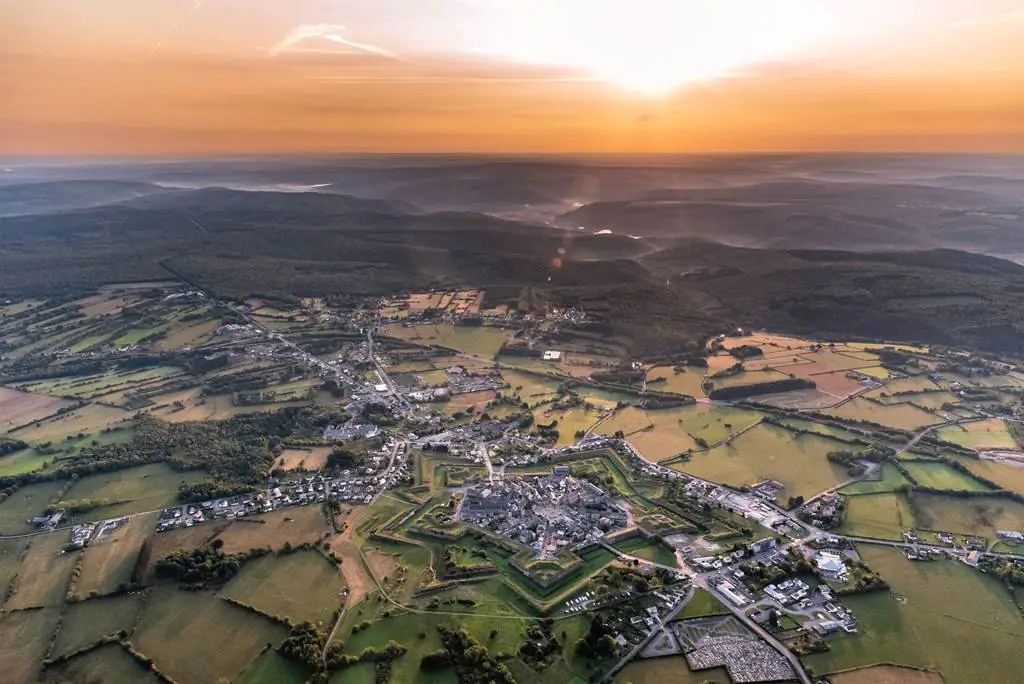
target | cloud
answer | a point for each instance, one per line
(196, 6)
(330, 32)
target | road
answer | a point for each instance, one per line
(790, 657)
(381, 372)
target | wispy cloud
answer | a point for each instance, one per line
(196, 6)
(329, 32)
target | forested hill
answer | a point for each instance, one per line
(657, 293)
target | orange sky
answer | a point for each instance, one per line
(274, 76)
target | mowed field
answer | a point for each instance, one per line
(977, 515)
(179, 631)
(768, 452)
(881, 516)
(939, 615)
(20, 408)
(985, 434)
(301, 586)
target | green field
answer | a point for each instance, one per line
(86, 622)
(24, 637)
(302, 586)
(947, 614)
(977, 515)
(686, 381)
(107, 665)
(986, 434)
(882, 516)
(797, 461)
(273, 668)
(1009, 477)
(11, 551)
(44, 574)
(703, 603)
(27, 502)
(145, 488)
(900, 416)
(179, 632)
(24, 461)
(938, 475)
(649, 549)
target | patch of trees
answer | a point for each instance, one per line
(191, 492)
(774, 387)
(342, 459)
(205, 565)
(746, 351)
(598, 643)
(761, 575)
(540, 645)
(304, 645)
(378, 414)
(619, 376)
(472, 662)
(862, 580)
(9, 446)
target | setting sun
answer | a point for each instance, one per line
(655, 46)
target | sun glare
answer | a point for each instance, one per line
(656, 46)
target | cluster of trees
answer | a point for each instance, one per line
(305, 645)
(774, 387)
(342, 459)
(540, 644)
(746, 351)
(761, 575)
(205, 565)
(191, 492)
(862, 580)
(9, 446)
(598, 643)
(472, 662)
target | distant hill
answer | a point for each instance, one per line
(57, 196)
(655, 295)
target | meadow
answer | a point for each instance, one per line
(24, 637)
(272, 667)
(179, 631)
(108, 664)
(701, 604)
(145, 488)
(44, 573)
(684, 381)
(649, 549)
(312, 458)
(483, 341)
(108, 564)
(986, 434)
(1005, 474)
(887, 674)
(768, 452)
(938, 475)
(881, 516)
(20, 408)
(891, 479)
(86, 622)
(85, 420)
(27, 502)
(977, 515)
(273, 584)
(900, 416)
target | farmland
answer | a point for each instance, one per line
(945, 613)
(900, 416)
(86, 622)
(475, 340)
(940, 476)
(768, 452)
(986, 434)
(21, 408)
(979, 515)
(24, 637)
(175, 632)
(268, 584)
(882, 516)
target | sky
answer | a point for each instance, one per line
(193, 77)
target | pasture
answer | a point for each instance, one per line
(940, 615)
(891, 479)
(44, 573)
(273, 668)
(24, 638)
(86, 622)
(881, 516)
(20, 408)
(976, 515)
(85, 420)
(27, 502)
(107, 664)
(768, 452)
(145, 488)
(24, 461)
(295, 525)
(178, 631)
(663, 433)
(887, 674)
(938, 475)
(899, 416)
(483, 341)
(1006, 473)
(108, 563)
(686, 380)
(312, 458)
(301, 586)
(985, 434)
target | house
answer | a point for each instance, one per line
(831, 565)
(552, 355)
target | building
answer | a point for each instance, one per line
(552, 355)
(762, 545)
(831, 566)
(734, 596)
(1010, 535)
